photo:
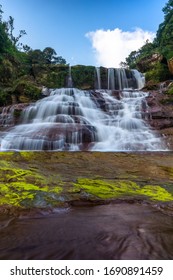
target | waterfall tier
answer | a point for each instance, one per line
(73, 120)
(118, 79)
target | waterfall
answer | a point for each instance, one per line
(140, 78)
(120, 79)
(111, 78)
(69, 80)
(98, 77)
(96, 120)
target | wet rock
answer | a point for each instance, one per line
(46, 180)
(10, 115)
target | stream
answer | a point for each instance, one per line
(121, 231)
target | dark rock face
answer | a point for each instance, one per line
(10, 115)
(160, 114)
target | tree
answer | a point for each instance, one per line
(10, 29)
(164, 36)
(36, 57)
(59, 60)
(132, 58)
(26, 48)
(49, 54)
(123, 64)
(138, 59)
(5, 43)
(51, 57)
(1, 12)
(168, 8)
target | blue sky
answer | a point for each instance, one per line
(89, 32)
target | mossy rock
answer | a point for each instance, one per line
(122, 189)
(170, 89)
(83, 76)
(8, 72)
(23, 188)
(158, 73)
(27, 91)
(48, 179)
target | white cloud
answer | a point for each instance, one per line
(113, 46)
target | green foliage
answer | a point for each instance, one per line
(162, 47)
(28, 89)
(5, 97)
(7, 72)
(131, 60)
(55, 79)
(168, 8)
(10, 29)
(136, 58)
(83, 76)
(50, 57)
(158, 73)
(36, 57)
(47, 56)
(18, 60)
(170, 90)
(164, 37)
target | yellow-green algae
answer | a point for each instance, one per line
(17, 192)
(121, 189)
(28, 178)
(20, 185)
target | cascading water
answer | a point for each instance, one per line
(69, 81)
(119, 79)
(98, 78)
(111, 78)
(72, 119)
(139, 78)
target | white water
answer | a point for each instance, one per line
(98, 77)
(140, 78)
(72, 119)
(69, 81)
(120, 79)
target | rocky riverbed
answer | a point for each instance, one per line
(100, 205)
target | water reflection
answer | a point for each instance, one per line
(119, 231)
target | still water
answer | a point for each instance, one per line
(116, 231)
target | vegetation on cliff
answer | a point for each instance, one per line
(19, 65)
(152, 58)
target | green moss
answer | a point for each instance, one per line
(4, 189)
(156, 193)
(21, 187)
(121, 189)
(17, 193)
(27, 90)
(56, 190)
(31, 179)
(4, 163)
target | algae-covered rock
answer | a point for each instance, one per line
(50, 179)
(122, 189)
(26, 187)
